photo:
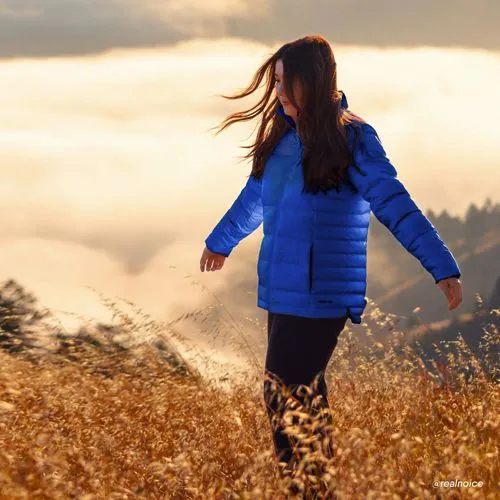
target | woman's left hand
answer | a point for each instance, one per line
(452, 289)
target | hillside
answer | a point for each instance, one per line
(106, 425)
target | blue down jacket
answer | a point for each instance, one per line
(312, 259)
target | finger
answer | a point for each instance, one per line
(456, 293)
(210, 265)
(202, 264)
(451, 298)
(455, 296)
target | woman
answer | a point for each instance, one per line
(318, 171)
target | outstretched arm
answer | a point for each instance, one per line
(244, 217)
(392, 205)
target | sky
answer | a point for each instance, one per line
(111, 178)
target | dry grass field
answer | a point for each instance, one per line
(90, 422)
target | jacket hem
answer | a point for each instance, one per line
(308, 312)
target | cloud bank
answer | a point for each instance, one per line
(30, 28)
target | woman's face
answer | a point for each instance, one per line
(289, 109)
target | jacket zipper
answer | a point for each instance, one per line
(311, 267)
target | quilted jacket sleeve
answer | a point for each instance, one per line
(392, 205)
(244, 217)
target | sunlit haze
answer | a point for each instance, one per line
(112, 179)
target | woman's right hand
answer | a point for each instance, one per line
(212, 261)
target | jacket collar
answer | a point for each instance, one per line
(280, 111)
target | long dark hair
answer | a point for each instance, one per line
(322, 123)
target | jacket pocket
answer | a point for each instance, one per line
(311, 266)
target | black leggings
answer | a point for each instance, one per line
(298, 350)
